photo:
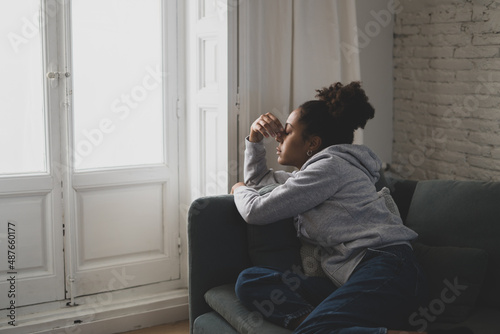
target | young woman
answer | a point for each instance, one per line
(372, 281)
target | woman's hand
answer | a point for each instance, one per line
(266, 125)
(237, 185)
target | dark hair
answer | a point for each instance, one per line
(338, 111)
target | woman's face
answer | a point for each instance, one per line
(292, 149)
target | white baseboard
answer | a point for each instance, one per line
(110, 318)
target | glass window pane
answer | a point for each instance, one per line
(22, 111)
(117, 83)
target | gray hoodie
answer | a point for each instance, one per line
(334, 202)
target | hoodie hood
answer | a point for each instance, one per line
(359, 156)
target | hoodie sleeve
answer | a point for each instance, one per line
(305, 190)
(255, 169)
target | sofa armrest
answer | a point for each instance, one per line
(402, 192)
(217, 248)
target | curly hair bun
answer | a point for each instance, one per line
(347, 104)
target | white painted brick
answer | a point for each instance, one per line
(444, 111)
(485, 102)
(484, 163)
(398, 42)
(476, 52)
(451, 13)
(485, 138)
(463, 147)
(408, 84)
(414, 40)
(468, 172)
(492, 114)
(435, 75)
(487, 63)
(478, 76)
(493, 4)
(414, 18)
(404, 105)
(439, 125)
(434, 168)
(441, 28)
(434, 98)
(447, 90)
(434, 52)
(479, 13)
(404, 74)
(449, 40)
(421, 173)
(451, 64)
(400, 29)
(479, 125)
(492, 25)
(453, 134)
(400, 136)
(399, 171)
(411, 63)
(442, 169)
(486, 39)
(401, 133)
(403, 94)
(486, 90)
(403, 51)
(485, 151)
(448, 156)
(495, 153)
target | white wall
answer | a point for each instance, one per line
(375, 30)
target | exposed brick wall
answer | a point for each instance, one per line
(447, 91)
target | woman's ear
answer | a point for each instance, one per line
(315, 143)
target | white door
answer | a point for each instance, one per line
(89, 194)
(208, 96)
(121, 209)
(31, 227)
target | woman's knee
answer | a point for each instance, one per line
(242, 284)
(252, 279)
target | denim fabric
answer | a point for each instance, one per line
(281, 296)
(385, 288)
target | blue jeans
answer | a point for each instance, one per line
(384, 289)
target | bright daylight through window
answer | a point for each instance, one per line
(23, 114)
(118, 83)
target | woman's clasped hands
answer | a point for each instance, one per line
(266, 125)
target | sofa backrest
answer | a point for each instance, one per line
(461, 214)
(402, 192)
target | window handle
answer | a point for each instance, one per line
(57, 75)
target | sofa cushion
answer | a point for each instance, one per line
(274, 245)
(482, 321)
(212, 323)
(461, 214)
(454, 277)
(224, 301)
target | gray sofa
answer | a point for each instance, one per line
(458, 246)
